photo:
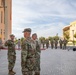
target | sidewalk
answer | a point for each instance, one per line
(53, 62)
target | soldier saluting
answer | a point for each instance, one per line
(28, 54)
(11, 54)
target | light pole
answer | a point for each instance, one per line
(73, 37)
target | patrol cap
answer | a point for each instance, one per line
(34, 34)
(12, 35)
(27, 30)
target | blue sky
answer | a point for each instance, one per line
(44, 17)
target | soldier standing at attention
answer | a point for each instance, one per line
(60, 42)
(47, 43)
(64, 43)
(52, 44)
(0, 43)
(28, 54)
(11, 54)
(38, 52)
(56, 43)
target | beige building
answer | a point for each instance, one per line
(5, 19)
(71, 30)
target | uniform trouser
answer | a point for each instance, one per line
(60, 46)
(64, 47)
(11, 62)
(37, 63)
(52, 46)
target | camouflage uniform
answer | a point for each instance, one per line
(64, 43)
(0, 43)
(28, 57)
(60, 42)
(52, 44)
(38, 52)
(47, 43)
(56, 43)
(11, 54)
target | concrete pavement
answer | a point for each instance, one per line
(53, 62)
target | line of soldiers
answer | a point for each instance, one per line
(30, 54)
(54, 43)
(62, 43)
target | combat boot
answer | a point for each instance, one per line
(37, 73)
(13, 72)
(10, 73)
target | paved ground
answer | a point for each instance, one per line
(53, 62)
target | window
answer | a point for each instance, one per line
(1, 31)
(1, 16)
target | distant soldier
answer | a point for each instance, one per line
(60, 42)
(47, 43)
(11, 54)
(38, 52)
(56, 43)
(52, 43)
(64, 43)
(0, 43)
(19, 44)
(43, 43)
(28, 52)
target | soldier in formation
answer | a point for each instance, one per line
(11, 54)
(61, 43)
(38, 52)
(47, 43)
(52, 44)
(64, 43)
(28, 52)
(56, 43)
(0, 43)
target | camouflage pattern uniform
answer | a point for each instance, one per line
(43, 43)
(60, 42)
(56, 43)
(64, 43)
(38, 52)
(0, 43)
(11, 54)
(52, 44)
(28, 57)
(47, 43)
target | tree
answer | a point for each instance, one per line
(56, 37)
(66, 35)
(41, 39)
(75, 35)
(50, 38)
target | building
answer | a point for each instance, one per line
(70, 30)
(5, 19)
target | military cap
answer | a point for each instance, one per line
(27, 30)
(12, 35)
(34, 34)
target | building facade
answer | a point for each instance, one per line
(70, 30)
(5, 19)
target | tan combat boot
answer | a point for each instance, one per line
(13, 72)
(10, 73)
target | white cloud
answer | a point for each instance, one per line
(29, 12)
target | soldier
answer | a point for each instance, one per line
(19, 44)
(0, 43)
(43, 43)
(28, 54)
(38, 52)
(64, 43)
(52, 44)
(47, 43)
(11, 54)
(60, 42)
(56, 43)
